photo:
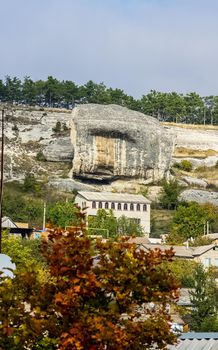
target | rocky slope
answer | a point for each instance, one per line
(106, 143)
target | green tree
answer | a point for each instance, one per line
(128, 227)
(62, 214)
(29, 91)
(189, 219)
(169, 197)
(204, 303)
(104, 223)
(107, 225)
(22, 251)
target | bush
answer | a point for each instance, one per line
(40, 157)
(185, 165)
(57, 127)
(15, 128)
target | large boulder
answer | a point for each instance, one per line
(59, 150)
(200, 196)
(114, 142)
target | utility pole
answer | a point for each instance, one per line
(2, 175)
(44, 216)
(208, 231)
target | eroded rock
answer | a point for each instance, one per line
(114, 142)
(200, 196)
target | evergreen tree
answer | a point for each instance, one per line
(203, 299)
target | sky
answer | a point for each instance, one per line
(135, 45)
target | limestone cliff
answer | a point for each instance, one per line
(111, 142)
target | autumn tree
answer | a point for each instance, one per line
(97, 295)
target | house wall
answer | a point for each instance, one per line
(209, 258)
(143, 216)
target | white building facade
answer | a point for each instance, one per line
(135, 207)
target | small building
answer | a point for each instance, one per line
(206, 255)
(135, 207)
(20, 229)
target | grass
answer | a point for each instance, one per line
(191, 126)
(181, 152)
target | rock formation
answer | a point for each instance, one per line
(114, 142)
(200, 196)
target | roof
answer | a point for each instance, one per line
(22, 224)
(8, 222)
(181, 251)
(202, 249)
(196, 341)
(139, 240)
(113, 197)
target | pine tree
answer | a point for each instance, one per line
(203, 299)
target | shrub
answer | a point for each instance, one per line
(185, 165)
(15, 128)
(57, 127)
(40, 157)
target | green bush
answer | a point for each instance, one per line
(185, 165)
(40, 157)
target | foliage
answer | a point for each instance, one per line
(30, 183)
(57, 127)
(105, 224)
(128, 227)
(200, 240)
(21, 208)
(89, 301)
(190, 218)
(40, 156)
(203, 298)
(62, 214)
(185, 165)
(22, 251)
(184, 271)
(169, 194)
(169, 107)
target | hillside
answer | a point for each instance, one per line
(94, 143)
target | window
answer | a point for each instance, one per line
(216, 262)
(119, 206)
(106, 205)
(138, 207)
(125, 206)
(100, 205)
(83, 205)
(207, 262)
(93, 205)
(131, 206)
(112, 205)
(144, 207)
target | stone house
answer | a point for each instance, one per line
(134, 207)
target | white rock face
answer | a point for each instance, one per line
(192, 181)
(197, 139)
(28, 131)
(200, 196)
(112, 141)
